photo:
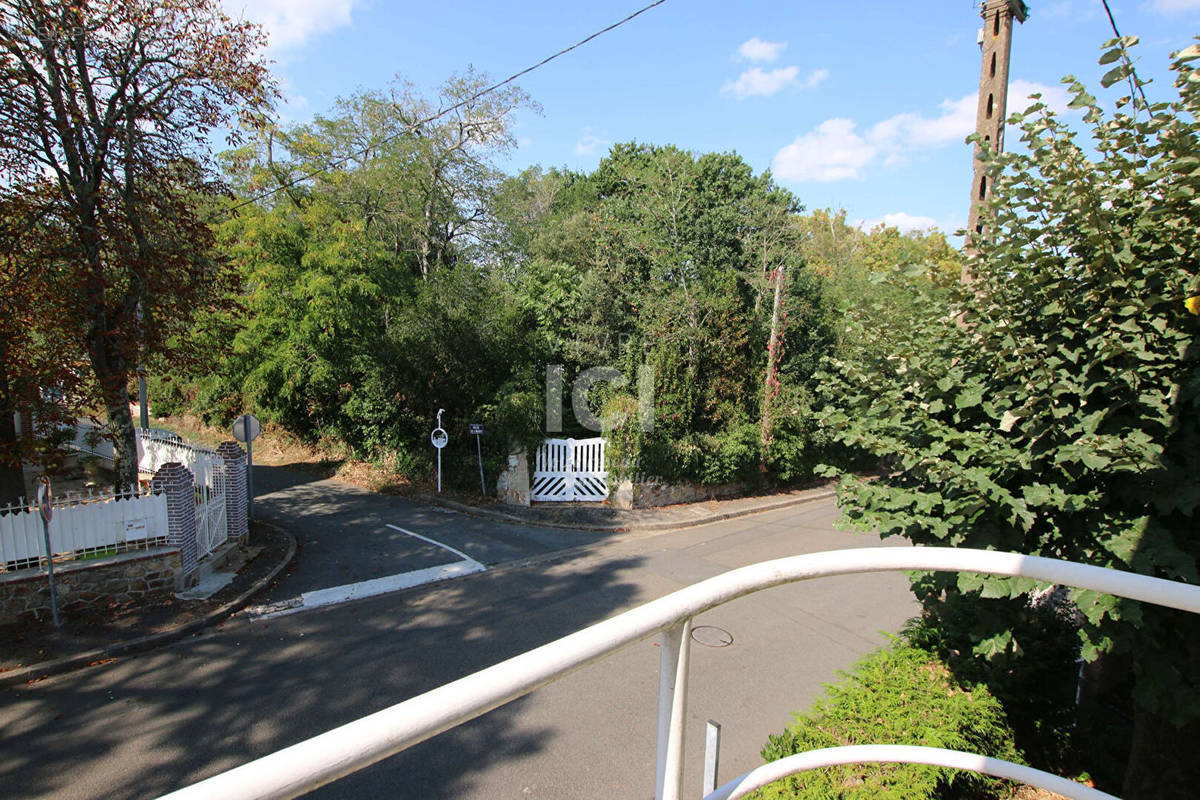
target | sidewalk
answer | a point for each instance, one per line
(30, 651)
(602, 517)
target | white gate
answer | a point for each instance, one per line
(570, 469)
(208, 469)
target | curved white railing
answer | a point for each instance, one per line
(298, 769)
(902, 754)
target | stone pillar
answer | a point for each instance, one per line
(995, 44)
(234, 458)
(513, 484)
(176, 482)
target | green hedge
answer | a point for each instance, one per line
(898, 695)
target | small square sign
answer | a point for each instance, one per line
(476, 428)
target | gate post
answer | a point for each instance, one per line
(234, 469)
(569, 480)
(175, 481)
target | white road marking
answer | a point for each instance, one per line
(458, 553)
(371, 588)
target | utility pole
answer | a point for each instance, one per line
(995, 42)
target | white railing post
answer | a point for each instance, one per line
(672, 709)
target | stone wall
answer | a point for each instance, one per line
(650, 495)
(131, 577)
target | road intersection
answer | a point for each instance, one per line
(154, 722)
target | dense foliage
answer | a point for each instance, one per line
(396, 271)
(1051, 406)
(898, 695)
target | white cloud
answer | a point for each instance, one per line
(291, 23)
(911, 131)
(816, 78)
(757, 50)
(1019, 99)
(589, 143)
(757, 82)
(905, 222)
(1175, 6)
(836, 151)
(832, 152)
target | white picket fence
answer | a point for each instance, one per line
(570, 469)
(81, 527)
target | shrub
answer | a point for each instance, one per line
(897, 695)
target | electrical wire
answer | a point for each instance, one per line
(1134, 82)
(419, 123)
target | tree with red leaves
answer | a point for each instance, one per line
(104, 145)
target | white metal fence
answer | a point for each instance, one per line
(208, 470)
(158, 447)
(570, 469)
(82, 526)
(299, 769)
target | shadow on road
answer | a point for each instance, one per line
(163, 720)
(276, 478)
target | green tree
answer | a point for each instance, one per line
(368, 301)
(1052, 407)
(688, 264)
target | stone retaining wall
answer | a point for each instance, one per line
(136, 576)
(651, 495)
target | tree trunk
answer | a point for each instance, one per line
(1162, 761)
(771, 378)
(12, 474)
(112, 374)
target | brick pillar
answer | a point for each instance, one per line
(176, 482)
(234, 458)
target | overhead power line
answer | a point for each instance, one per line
(419, 123)
(1134, 83)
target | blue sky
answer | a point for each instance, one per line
(855, 105)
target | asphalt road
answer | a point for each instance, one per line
(344, 536)
(158, 721)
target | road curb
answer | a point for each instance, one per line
(59, 666)
(485, 513)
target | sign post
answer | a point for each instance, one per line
(246, 428)
(477, 432)
(43, 501)
(438, 439)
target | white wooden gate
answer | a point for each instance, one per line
(570, 469)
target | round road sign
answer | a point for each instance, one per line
(246, 428)
(438, 438)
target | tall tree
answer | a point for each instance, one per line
(108, 106)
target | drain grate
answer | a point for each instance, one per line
(711, 636)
